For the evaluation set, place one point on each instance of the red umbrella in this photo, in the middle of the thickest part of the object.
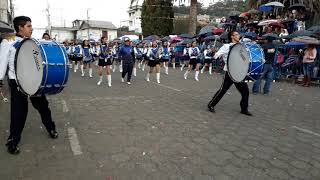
(176, 39)
(218, 31)
(276, 24)
(245, 14)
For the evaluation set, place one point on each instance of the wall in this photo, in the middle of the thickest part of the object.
(62, 35)
(4, 11)
(96, 34)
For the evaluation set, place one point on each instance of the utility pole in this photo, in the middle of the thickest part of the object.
(48, 18)
(88, 23)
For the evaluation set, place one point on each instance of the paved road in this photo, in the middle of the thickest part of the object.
(164, 132)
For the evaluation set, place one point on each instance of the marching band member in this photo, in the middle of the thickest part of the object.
(19, 101)
(117, 60)
(154, 55)
(194, 53)
(234, 37)
(146, 48)
(76, 52)
(139, 57)
(186, 57)
(173, 55)
(87, 57)
(208, 55)
(105, 60)
(126, 54)
(165, 57)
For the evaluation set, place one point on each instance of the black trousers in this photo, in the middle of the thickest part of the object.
(19, 111)
(127, 68)
(227, 82)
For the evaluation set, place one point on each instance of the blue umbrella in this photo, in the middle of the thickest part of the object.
(295, 44)
(152, 37)
(250, 35)
(300, 33)
(264, 8)
(211, 38)
(271, 36)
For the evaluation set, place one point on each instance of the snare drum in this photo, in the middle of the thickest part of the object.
(41, 67)
(245, 61)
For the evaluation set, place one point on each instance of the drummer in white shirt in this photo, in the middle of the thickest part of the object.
(19, 101)
(234, 37)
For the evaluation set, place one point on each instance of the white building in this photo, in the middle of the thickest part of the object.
(5, 12)
(134, 21)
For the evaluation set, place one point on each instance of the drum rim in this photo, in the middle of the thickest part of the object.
(15, 67)
(66, 65)
(229, 61)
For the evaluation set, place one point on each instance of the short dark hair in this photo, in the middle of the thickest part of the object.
(20, 21)
(46, 34)
(230, 34)
(83, 45)
(101, 40)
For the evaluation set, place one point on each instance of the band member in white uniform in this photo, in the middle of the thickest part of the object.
(165, 57)
(146, 48)
(173, 55)
(116, 59)
(105, 60)
(154, 55)
(194, 53)
(87, 52)
(76, 52)
(234, 37)
(186, 57)
(208, 57)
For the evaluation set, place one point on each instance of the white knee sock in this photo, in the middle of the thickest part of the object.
(134, 71)
(197, 76)
(203, 69)
(109, 80)
(100, 80)
(186, 74)
(158, 78)
(167, 69)
(143, 65)
(174, 65)
(210, 69)
(82, 70)
(90, 72)
(148, 77)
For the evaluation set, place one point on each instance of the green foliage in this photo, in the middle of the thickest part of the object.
(157, 17)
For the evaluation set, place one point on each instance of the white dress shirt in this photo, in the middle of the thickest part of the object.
(223, 52)
(7, 56)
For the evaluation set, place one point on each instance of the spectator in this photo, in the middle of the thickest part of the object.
(310, 55)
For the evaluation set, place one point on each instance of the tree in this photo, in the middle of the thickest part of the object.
(157, 17)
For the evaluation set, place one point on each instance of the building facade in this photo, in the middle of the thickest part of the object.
(134, 21)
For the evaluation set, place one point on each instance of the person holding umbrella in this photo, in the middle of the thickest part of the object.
(310, 55)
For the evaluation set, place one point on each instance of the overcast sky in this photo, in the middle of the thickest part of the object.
(65, 11)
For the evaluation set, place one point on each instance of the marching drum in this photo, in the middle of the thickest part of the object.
(245, 61)
(41, 67)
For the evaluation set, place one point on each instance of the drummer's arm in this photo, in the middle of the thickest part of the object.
(223, 50)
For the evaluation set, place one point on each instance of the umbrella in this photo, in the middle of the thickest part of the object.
(300, 33)
(306, 40)
(253, 11)
(206, 29)
(152, 37)
(267, 22)
(295, 44)
(218, 31)
(315, 29)
(264, 8)
(176, 39)
(5, 28)
(186, 36)
(224, 35)
(274, 4)
(245, 14)
(276, 24)
(271, 36)
(287, 21)
(186, 41)
(250, 35)
(297, 7)
(210, 38)
(254, 23)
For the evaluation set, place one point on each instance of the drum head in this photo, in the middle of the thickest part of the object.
(238, 62)
(29, 68)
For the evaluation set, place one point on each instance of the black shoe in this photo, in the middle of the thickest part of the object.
(12, 147)
(53, 134)
(246, 112)
(211, 109)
